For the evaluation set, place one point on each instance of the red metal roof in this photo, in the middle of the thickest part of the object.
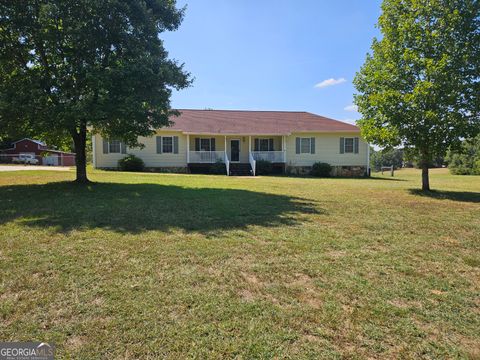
(255, 122)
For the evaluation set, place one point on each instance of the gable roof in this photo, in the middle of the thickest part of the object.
(41, 143)
(245, 122)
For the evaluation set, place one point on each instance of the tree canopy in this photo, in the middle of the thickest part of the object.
(387, 157)
(420, 86)
(69, 65)
(466, 160)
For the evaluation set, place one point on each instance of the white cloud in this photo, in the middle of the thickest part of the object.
(330, 82)
(350, 121)
(351, 108)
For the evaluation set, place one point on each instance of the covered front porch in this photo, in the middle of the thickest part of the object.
(235, 149)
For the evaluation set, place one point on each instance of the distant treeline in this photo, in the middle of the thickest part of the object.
(466, 161)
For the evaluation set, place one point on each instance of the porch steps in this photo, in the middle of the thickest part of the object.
(240, 169)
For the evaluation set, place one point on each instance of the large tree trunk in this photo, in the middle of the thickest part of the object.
(425, 178)
(80, 139)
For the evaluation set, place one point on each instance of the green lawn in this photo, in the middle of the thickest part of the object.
(175, 266)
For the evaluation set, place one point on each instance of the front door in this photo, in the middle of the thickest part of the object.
(235, 150)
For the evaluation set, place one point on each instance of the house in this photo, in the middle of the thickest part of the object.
(291, 141)
(40, 150)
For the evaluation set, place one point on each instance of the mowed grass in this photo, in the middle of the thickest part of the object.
(192, 266)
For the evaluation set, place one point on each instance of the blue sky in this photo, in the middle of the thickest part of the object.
(271, 54)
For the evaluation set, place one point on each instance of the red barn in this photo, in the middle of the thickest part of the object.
(40, 150)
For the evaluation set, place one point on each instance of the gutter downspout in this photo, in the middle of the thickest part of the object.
(368, 159)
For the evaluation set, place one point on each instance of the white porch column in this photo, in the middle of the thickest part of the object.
(249, 145)
(188, 148)
(284, 145)
(225, 144)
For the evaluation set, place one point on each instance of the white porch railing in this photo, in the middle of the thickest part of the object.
(227, 163)
(208, 157)
(253, 163)
(272, 156)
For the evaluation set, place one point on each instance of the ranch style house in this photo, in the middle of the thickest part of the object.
(291, 141)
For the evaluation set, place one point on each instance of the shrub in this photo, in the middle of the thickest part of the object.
(131, 163)
(218, 168)
(321, 169)
(263, 167)
(465, 161)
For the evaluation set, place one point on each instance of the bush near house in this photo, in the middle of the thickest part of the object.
(264, 167)
(218, 168)
(131, 163)
(321, 169)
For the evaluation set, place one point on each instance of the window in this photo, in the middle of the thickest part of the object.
(114, 146)
(205, 144)
(264, 145)
(167, 144)
(348, 145)
(305, 146)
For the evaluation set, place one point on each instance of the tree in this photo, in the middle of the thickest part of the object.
(420, 86)
(387, 157)
(72, 66)
(466, 161)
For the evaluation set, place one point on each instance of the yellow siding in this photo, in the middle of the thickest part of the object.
(327, 149)
(148, 154)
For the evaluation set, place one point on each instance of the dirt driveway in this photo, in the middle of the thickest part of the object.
(32, 167)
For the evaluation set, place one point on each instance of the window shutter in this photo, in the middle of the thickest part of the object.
(355, 145)
(342, 145)
(297, 145)
(212, 144)
(256, 146)
(123, 148)
(175, 144)
(270, 144)
(197, 144)
(159, 144)
(105, 146)
(312, 145)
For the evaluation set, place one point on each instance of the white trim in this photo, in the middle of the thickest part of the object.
(345, 147)
(188, 149)
(239, 149)
(268, 143)
(309, 145)
(232, 134)
(119, 147)
(167, 152)
(272, 134)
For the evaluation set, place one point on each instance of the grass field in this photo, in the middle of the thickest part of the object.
(175, 266)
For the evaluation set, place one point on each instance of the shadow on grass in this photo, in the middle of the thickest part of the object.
(334, 177)
(133, 208)
(464, 196)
